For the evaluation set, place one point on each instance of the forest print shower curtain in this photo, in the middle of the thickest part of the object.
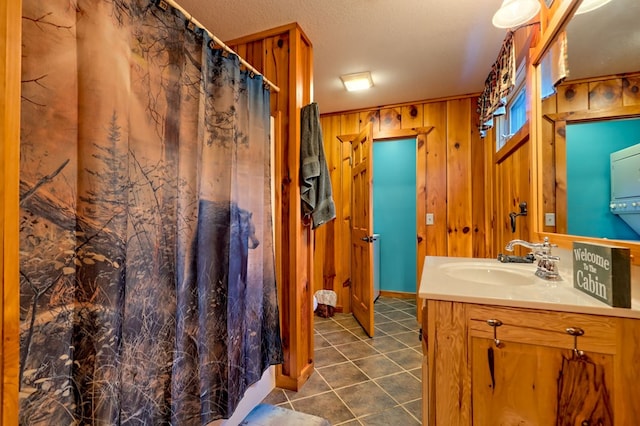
(147, 275)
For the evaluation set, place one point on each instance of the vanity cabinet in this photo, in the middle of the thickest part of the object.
(528, 370)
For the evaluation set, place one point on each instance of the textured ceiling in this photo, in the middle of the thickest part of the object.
(415, 49)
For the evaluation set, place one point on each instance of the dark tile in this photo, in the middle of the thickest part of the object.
(275, 397)
(410, 302)
(326, 405)
(410, 338)
(329, 326)
(340, 337)
(403, 387)
(386, 344)
(359, 332)
(410, 309)
(417, 373)
(348, 322)
(398, 315)
(398, 303)
(328, 356)
(392, 416)
(365, 398)
(313, 386)
(340, 375)
(406, 358)
(356, 350)
(380, 318)
(320, 342)
(392, 328)
(377, 366)
(383, 308)
(411, 324)
(415, 408)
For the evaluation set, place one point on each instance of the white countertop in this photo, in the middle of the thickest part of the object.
(437, 283)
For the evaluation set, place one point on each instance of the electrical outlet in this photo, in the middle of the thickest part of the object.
(429, 218)
(549, 219)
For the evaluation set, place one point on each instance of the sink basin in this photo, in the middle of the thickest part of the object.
(491, 273)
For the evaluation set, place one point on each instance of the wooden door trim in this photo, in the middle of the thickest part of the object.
(390, 134)
(421, 195)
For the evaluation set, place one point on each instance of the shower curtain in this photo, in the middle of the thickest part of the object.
(147, 274)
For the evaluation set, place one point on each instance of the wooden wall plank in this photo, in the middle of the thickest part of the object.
(561, 176)
(548, 161)
(350, 123)
(573, 97)
(631, 91)
(421, 211)
(491, 180)
(301, 60)
(372, 117)
(459, 199)
(344, 276)
(605, 94)
(327, 252)
(412, 116)
(481, 189)
(435, 114)
(390, 119)
(10, 63)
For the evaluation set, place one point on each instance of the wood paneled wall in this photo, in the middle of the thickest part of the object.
(285, 56)
(454, 182)
(513, 186)
(602, 98)
(10, 59)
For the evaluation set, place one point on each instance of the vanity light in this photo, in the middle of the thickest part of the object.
(357, 81)
(589, 5)
(515, 12)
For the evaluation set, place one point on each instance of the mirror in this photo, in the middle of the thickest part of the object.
(596, 111)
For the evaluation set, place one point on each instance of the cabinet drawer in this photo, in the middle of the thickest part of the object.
(546, 328)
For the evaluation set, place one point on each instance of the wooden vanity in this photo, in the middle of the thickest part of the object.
(491, 361)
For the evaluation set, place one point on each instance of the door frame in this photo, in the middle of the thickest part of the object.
(420, 134)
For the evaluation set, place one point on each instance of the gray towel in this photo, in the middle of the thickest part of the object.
(315, 182)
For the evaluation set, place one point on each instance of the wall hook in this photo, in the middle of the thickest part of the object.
(513, 215)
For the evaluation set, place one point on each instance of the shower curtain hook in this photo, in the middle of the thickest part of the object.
(191, 26)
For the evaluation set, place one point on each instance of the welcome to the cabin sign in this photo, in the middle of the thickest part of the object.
(604, 272)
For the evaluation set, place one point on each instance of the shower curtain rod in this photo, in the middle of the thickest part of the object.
(217, 41)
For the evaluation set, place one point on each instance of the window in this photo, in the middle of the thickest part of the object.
(515, 109)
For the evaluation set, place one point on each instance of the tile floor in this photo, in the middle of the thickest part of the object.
(361, 380)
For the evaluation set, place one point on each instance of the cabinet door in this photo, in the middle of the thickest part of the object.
(527, 384)
(533, 376)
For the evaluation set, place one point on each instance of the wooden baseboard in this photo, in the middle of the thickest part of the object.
(293, 383)
(398, 294)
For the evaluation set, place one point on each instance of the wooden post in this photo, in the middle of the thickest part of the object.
(10, 45)
(284, 55)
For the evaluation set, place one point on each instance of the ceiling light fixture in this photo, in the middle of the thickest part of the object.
(513, 13)
(589, 5)
(357, 81)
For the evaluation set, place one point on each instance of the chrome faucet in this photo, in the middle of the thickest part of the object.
(547, 263)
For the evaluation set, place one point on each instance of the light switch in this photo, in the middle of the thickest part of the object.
(549, 219)
(429, 218)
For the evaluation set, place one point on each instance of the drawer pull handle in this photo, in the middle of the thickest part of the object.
(576, 332)
(495, 323)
